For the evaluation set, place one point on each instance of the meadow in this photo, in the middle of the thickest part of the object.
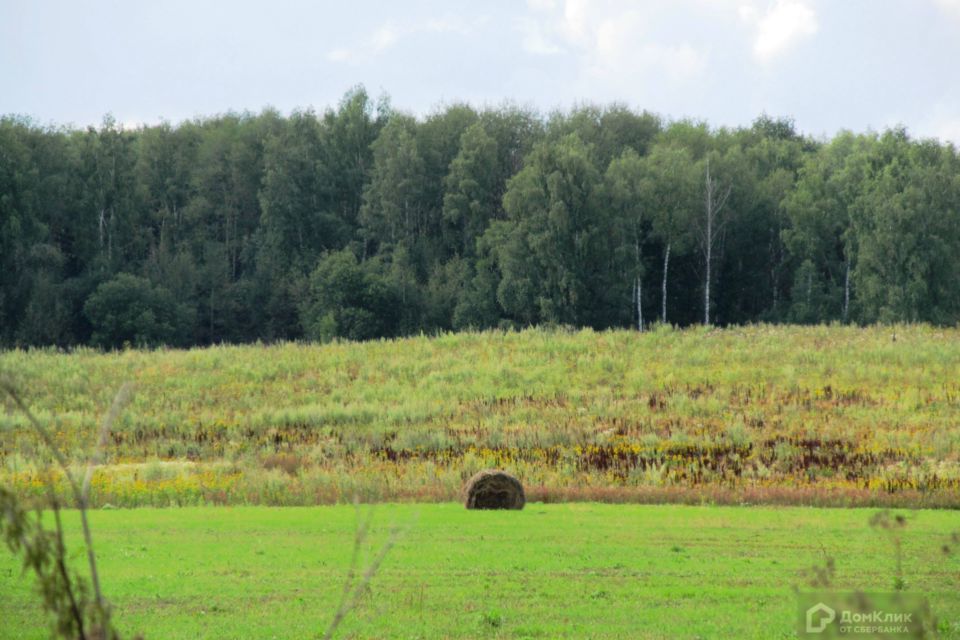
(763, 414)
(579, 570)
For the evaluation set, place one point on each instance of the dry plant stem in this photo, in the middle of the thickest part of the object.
(62, 567)
(361, 534)
(361, 586)
(61, 554)
(119, 402)
(351, 590)
(79, 494)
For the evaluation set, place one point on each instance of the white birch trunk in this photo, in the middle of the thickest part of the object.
(101, 224)
(709, 243)
(638, 290)
(110, 235)
(714, 205)
(666, 266)
(639, 305)
(846, 293)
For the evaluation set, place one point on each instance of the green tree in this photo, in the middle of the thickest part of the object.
(348, 299)
(668, 186)
(471, 197)
(111, 206)
(299, 218)
(818, 237)
(712, 223)
(393, 208)
(756, 270)
(552, 253)
(20, 226)
(349, 133)
(48, 315)
(129, 310)
(908, 233)
(444, 290)
(477, 306)
(166, 161)
(630, 220)
(607, 131)
(439, 141)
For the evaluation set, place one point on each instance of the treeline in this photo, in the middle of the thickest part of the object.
(363, 222)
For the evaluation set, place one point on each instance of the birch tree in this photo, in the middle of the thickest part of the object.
(669, 188)
(624, 182)
(107, 161)
(819, 237)
(714, 221)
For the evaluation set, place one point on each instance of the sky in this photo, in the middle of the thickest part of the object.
(828, 64)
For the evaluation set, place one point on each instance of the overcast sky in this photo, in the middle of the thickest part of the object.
(830, 64)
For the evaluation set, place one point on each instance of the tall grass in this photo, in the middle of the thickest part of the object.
(825, 415)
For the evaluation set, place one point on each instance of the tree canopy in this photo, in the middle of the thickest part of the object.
(364, 221)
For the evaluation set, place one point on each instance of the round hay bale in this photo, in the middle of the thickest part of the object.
(494, 489)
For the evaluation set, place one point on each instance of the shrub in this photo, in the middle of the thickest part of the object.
(130, 310)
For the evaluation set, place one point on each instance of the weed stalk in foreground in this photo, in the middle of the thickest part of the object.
(45, 551)
(354, 587)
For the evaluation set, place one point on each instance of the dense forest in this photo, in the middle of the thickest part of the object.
(365, 221)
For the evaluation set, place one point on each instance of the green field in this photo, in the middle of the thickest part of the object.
(550, 571)
(781, 415)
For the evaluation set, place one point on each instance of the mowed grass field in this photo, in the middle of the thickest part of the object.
(761, 414)
(581, 570)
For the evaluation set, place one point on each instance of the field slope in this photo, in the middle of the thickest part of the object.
(762, 414)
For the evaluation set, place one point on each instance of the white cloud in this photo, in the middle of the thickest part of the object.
(949, 130)
(338, 55)
(384, 38)
(608, 40)
(535, 40)
(389, 34)
(950, 7)
(618, 50)
(547, 5)
(780, 27)
(943, 122)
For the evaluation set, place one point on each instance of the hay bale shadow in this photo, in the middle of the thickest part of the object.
(493, 489)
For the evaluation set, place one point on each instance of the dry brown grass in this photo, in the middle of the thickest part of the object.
(286, 462)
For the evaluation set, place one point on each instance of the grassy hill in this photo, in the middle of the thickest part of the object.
(761, 414)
